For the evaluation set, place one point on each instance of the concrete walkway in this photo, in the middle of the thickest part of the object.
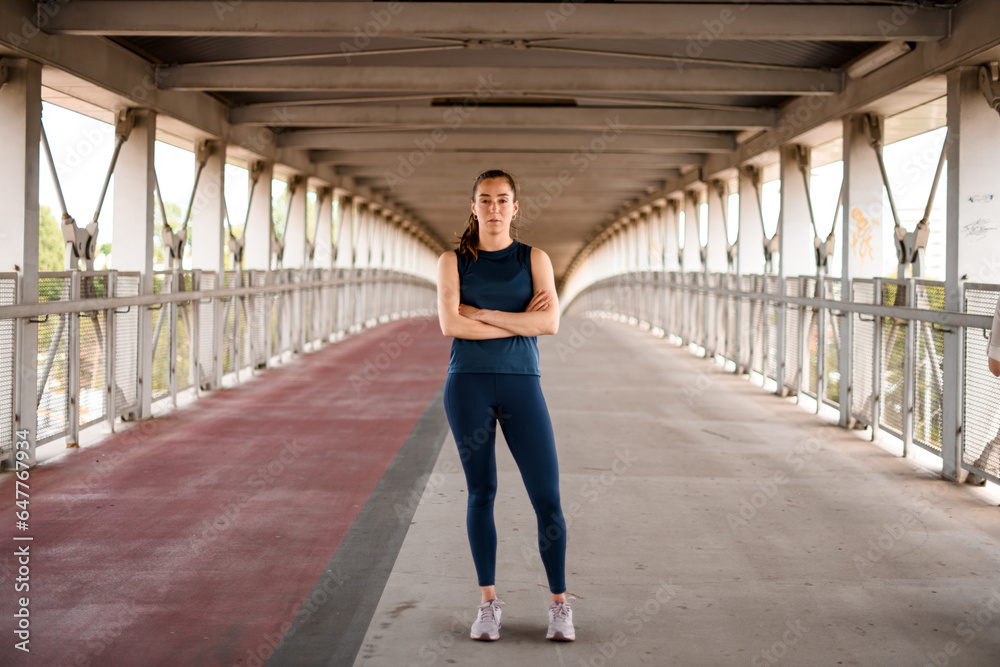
(711, 523)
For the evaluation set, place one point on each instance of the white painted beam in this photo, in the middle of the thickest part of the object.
(501, 20)
(491, 81)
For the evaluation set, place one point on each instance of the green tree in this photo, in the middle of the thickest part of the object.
(51, 247)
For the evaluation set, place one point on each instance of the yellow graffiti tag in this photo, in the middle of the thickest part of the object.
(862, 236)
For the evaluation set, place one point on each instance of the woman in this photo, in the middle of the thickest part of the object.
(495, 295)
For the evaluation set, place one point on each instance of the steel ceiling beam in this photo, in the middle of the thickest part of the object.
(557, 161)
(427, 143)
(502, 20)
(487, 82)
(472, 117)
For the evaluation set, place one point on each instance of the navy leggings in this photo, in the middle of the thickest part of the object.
(474, 402)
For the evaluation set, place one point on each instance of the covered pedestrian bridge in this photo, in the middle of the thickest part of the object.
(775, 228)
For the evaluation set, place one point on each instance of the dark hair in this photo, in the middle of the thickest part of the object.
(468, 242)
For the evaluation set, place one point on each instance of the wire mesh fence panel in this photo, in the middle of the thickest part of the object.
(831, 347)
(711, 319)
(810, 342)
(747, 321)
(259, 318)
(980, 391)
(162, 283)
(928, 385)
(793, 320)
(93, 348)
(8, 296)
(184, 366)
(52, 398)
(863, 346)
(205, 363)
(230, 306)
(731, 281)
(126, 381)
(770, 366)
(246, 324)
(893, 354)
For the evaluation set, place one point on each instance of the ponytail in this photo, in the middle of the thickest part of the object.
(469, 242)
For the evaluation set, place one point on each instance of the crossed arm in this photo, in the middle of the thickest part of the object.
(460, 320)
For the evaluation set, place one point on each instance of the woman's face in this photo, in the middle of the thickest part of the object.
(494, 206)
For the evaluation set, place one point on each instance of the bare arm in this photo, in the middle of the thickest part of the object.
(452, 323)
(542, 314)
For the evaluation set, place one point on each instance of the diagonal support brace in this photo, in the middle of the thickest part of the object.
(989, 83)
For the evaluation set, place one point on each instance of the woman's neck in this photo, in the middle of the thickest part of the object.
(492, 244)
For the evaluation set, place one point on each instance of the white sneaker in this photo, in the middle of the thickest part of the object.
(487, 625)
(561, 623)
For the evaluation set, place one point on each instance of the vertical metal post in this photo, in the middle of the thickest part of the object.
(73, 366)
(110, 360)
(877, 365)
(176, 278)
(909, 351)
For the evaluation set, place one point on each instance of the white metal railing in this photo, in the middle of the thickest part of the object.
(91, 356)
(788, 332)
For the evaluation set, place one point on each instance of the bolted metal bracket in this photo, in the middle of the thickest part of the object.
(771, 248)
(124, 122)
(174, 242)
(989, 84)
(203, 150)
(824, 250)
(82, 241)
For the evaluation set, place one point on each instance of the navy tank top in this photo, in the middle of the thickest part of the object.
(497, 280)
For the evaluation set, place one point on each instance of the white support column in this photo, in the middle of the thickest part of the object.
(861, 235)
(795, 235)
(750, 256)
(260, 226)
(972, 237)
(132, 238)
(20, 128)
(295, 226)
(717, 242)
(208, 239)
(323, 240)
(795, 249)
(692, 244)
(862, 222)
(671, 248)
(208, 230)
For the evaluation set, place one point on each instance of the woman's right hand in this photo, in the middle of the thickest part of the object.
(539, 302)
